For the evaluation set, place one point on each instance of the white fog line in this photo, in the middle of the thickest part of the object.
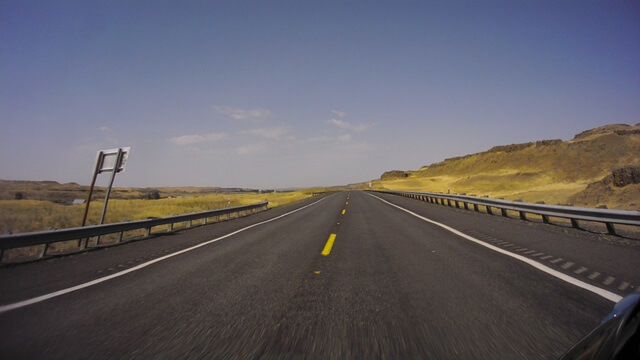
(17, 305)
(573, 281)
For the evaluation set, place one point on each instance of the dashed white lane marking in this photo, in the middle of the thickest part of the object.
(571, 280)
(580, 270)
(567, 265)
(17, 305)
(594, 275)
(623, 286)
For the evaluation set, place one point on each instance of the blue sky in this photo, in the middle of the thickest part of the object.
(268, 94)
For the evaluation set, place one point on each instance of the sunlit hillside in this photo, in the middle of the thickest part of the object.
(552, 171)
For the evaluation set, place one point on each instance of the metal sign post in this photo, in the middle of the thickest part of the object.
(114, 161)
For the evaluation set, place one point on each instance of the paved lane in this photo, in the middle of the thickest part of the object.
(391, 286)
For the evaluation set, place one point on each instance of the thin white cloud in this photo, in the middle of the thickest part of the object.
(346, 125)
(242, 114)
(104, 129)
(339, 113)
(251, 148)
(344, 138)
(316, 139)
(194, 139)
(269, 133)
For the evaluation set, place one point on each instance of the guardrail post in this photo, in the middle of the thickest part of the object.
(610, 229)
(466, 205)
(523, 215)
(504, 212)
(44, 251)
(545, 219)
(575, 224)
(489, 211)
(87, 238)
(476, 208)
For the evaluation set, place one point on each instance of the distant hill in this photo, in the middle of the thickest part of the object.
(571, 172)
(67, 193)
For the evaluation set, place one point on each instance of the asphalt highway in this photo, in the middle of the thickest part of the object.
(351, 275)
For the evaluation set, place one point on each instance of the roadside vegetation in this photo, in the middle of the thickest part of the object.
(578, 172)
(26, 215)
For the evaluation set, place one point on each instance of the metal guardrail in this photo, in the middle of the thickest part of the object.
(608, 217)
(83, 234)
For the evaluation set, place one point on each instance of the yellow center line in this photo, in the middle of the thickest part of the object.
(329, 245)
(344, 211)
(347, 203)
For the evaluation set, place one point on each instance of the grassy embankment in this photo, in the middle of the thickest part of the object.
(32, 215)
(554, 172)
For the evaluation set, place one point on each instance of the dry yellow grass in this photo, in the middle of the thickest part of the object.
(33, 215)
(553, 172)
(495, 186)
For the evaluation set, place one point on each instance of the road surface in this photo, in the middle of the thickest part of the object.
(349, 275)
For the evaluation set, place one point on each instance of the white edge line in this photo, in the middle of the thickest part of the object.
(17, 305)
(573, 281)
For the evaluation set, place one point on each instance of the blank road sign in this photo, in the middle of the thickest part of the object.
(108, 161)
